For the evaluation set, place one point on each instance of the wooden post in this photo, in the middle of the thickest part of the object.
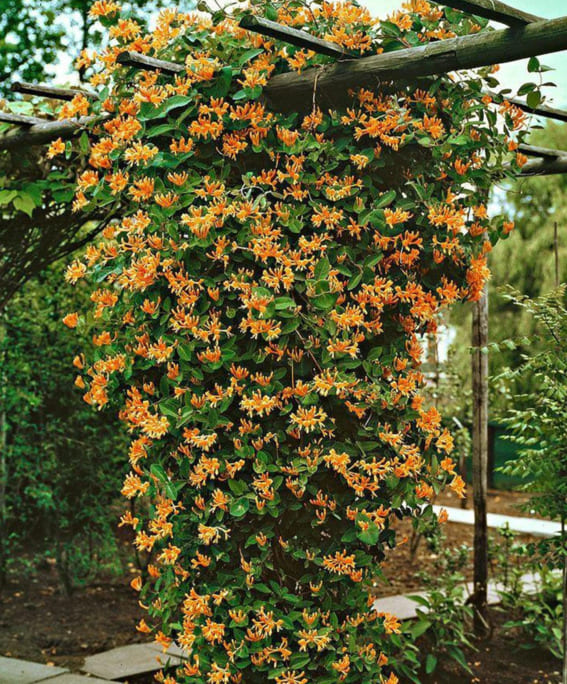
(480, 461)
(3, 462)
(556, 250)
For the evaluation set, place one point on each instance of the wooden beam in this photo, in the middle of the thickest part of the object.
(494, 10)
(540, 110)
(541, 152)
(306, 40)
(293, 36)
(44, 132)
(329, 85)
(53, 92)
(139, 61)
(545, 167)
(20, 119)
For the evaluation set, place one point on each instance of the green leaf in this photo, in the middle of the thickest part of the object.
(369, 536)
(160, 130)
(24, 203)
(534, 99)
(385, 199)
(237, 487)
(6, 196)
(322, 269)
(282, 303)
(526, 88)
(239, 507)
(420, 627)
(430, 663)
(222, 83)
(248, 55)
(157, 470)
(324, 301)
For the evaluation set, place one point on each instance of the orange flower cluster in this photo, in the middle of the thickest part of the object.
(261, 303)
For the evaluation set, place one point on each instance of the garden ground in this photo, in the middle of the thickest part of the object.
(38, 623)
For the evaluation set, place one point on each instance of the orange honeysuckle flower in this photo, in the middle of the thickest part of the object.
(71, 320)
(56, 148)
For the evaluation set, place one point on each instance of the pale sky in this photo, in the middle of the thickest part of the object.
(512, 74)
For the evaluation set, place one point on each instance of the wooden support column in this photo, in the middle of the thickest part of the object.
(480, 461)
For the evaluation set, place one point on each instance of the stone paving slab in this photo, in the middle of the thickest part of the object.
(402, 606)
(13, 671)
(76, 679)
(128, 661)
(533, 526)
(173, 650)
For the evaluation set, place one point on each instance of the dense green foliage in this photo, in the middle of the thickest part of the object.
(540, 425)
(62, 461)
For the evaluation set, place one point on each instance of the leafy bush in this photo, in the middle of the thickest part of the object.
(444, 620)
(62, 462)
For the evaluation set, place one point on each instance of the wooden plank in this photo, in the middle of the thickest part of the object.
(494, 10)
(41, 133)
(329, 84)
(479, 599)
(20, 119)
(293, 36)
(540, 110)
(53, 92)
(139, 61)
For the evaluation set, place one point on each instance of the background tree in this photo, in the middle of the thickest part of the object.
(535, 205)
(39, 39)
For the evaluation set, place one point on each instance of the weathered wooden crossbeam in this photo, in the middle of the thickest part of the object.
(139, 61)
(304, 39)
(541, 152)
(329, 85)
(20, 119)
(494, 10)
(42, 132)
(540, 110)
(293, 36)
(545, 167)
(53, 92)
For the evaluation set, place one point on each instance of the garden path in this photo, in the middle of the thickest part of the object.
(532, 526)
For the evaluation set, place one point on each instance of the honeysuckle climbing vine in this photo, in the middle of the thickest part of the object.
(261, 303)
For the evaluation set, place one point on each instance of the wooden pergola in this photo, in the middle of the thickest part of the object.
(327, 86)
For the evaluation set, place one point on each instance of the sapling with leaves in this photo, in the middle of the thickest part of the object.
(539, 427)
